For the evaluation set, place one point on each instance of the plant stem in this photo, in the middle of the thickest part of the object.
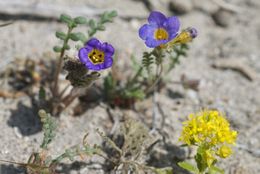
(59, 65)
(159, 70)
(133, 80)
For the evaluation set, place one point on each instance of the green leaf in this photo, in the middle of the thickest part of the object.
(66, 18)
(188, 166)
(78, 36)
(137, 93)
(166, 170)
(112, 14)
(80, 20)
(101, 28)
(49, 127)
(42, 93)
(60, 35)
(91, 32)
(201, 163)
(66, 47)
(74, 37)
(215, 170)
(57, 49)
(92, 23)
(72, 24)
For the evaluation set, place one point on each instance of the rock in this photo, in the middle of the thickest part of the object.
(161, 6)
(17, 132)
(193, 95)
(205, 6)
(135, 24)
(181, 6)
(253, 3)
(222, 18)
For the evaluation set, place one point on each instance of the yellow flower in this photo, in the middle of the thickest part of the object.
(209, 128)
(211, 132)
(224, 151)
(208, 157)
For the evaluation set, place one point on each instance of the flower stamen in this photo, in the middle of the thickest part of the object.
(161, 34)
(96, 56)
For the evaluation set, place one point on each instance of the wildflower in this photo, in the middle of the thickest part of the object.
(96, 55)
(209, 157)
(159, 30)
(210, 131)
(209, 128)
(185, 36)
(224, 151)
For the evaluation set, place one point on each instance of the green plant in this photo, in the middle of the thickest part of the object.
(79, 76)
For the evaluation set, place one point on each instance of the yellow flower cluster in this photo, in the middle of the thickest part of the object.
(211, 130)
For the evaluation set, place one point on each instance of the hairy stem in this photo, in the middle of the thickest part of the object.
(59, 64)
(159, 71)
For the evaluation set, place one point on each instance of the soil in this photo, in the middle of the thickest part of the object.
(222, 36)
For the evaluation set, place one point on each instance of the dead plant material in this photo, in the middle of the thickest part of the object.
(10, 94)
(189, 83)
(236, 65)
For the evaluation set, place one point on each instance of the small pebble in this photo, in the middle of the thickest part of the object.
(26, 139)
(181, 6)
(222, 18)
(17, 133)
(253, 142)
(4, 152)
(135, 24)
(193, 95)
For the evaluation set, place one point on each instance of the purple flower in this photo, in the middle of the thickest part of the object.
(159, 30)
(96, 55)
(193, 32)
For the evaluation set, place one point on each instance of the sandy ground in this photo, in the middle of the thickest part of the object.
(224, 89)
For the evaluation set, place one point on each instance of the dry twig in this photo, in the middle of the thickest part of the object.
(236, 65)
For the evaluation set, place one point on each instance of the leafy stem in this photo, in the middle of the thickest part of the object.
(179, 50)
(59, 63)
(158, 53)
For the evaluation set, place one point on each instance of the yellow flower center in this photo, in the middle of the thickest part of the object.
(96, 56)
(161, 34)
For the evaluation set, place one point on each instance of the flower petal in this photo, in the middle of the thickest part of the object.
(83, 54)
(152, 43)
(108, 49)
(95, 43)
(108, 63)
(157, 18)
(89, 65)
(172, 25)
(146, 31)
(172, 36)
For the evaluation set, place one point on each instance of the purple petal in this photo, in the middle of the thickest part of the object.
(146, 31)
(156, 18)
(108, 49)
(83, 54)
(91, 66)
(95, 43)
(172, 25)
(172, 36)
(106, 64)
(152, 43)
(193, 32)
